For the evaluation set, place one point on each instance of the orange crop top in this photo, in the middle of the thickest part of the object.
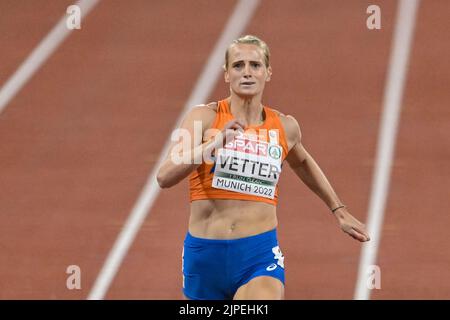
(201, 180)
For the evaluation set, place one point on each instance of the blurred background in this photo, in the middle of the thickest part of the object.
(80, 138)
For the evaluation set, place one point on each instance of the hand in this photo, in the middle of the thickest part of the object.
(352, 226)
(231, 129)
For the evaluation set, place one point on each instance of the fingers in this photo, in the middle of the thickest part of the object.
(362, 237)
(240, 124)
(232, 129)
(230, 134)
(356, 233)
(362, 230)
(354, 228)
(235, 124)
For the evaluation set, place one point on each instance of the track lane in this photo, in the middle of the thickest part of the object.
(22, 25)
(82, 135)
(322, 262)
(329, 72)
(414, 255)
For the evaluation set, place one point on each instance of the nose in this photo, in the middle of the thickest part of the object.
(247, 71)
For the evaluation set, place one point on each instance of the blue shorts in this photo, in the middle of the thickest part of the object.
(215, 269)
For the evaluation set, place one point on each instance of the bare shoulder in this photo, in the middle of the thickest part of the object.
(291, 128)
(203, 112)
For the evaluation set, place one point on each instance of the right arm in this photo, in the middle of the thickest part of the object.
(171, 171)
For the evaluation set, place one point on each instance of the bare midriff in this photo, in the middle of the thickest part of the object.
(230, 219)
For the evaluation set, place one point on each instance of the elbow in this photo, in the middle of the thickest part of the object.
(163, 182)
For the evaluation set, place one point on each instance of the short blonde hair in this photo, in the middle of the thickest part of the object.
(249, 39)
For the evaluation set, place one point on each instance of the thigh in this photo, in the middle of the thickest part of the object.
(204, 270)
(258, 271)
(261, 288)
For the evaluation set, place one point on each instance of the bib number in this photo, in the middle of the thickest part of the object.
(249, 167)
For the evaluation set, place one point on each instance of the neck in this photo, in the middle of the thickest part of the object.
(248, 110)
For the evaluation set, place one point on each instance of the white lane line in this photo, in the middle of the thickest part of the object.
(393, 93)
(40, 54)
(236, 24)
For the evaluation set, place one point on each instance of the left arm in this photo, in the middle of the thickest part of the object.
(304, 166)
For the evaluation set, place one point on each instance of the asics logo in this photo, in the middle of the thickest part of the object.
(278, 255)
(273, 266)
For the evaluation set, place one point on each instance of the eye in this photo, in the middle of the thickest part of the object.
(256, 65)
(237, 65)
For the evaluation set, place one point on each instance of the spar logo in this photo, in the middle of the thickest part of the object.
(275, 152)
(248, 146)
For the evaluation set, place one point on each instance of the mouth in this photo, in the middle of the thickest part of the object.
(247, 83)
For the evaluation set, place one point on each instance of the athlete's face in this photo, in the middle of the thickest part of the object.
(247, 72)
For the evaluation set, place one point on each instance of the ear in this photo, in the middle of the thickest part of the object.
(269, 73)
(226, 76)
